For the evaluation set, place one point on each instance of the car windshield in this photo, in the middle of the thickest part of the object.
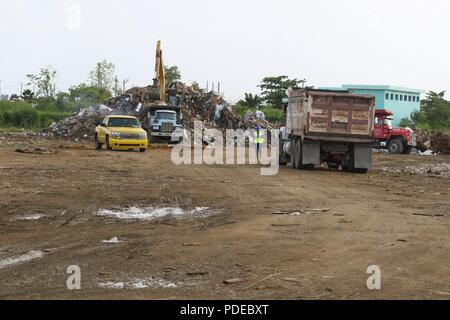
(166, 116)
(124, 123)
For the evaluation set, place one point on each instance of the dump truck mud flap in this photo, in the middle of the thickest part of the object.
(311, 152)
(363, 156)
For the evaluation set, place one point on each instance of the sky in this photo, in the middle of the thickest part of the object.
(237, 42)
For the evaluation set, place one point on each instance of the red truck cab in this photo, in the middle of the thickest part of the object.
(396, 140)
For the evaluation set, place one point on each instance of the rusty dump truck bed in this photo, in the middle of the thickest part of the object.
(321, 113)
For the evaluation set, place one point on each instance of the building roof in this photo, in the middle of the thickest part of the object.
(381, 87)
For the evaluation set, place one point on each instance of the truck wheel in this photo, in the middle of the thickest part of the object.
(107, 143)
(98, 145)
(142, 150)
(396, 146)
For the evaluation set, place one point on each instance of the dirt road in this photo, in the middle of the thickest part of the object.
(296, 235)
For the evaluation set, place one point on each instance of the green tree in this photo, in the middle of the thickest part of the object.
(250, 101)
(88, 93)
(172, 74)
(195, 86)
(102, 77)
(28, 95)
(434, 113)
(44, 82)
(407, 123)
(274, 89)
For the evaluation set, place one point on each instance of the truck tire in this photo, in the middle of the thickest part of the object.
(396, 146)
(284, 160)
(98, 145)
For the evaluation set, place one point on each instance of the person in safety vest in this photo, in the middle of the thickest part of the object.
(258, 140)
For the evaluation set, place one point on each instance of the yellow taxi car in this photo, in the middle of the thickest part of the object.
(121, 133)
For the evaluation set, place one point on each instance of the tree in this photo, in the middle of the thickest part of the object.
(195, 86)
(274, 89)
(44, 82)
(434, 113)
(172, 74)
(102, 77)
(88, 93)
(250, 101)
(117, 90)
(28, 95)
(407, 123)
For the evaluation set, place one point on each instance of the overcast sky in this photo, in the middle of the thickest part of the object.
(236, 42)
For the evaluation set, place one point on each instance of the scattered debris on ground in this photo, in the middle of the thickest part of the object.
(442, 170)
(151, 283)
(155, 213)
(31, 255)
(38, 150)
(114, 240)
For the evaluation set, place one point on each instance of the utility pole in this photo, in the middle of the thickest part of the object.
(124, 82)
(218, 87)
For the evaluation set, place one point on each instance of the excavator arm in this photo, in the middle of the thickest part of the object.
(160, 75)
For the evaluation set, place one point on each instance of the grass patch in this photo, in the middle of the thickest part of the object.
(15, 116)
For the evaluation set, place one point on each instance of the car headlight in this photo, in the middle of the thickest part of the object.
(143, 135)
(115, 135)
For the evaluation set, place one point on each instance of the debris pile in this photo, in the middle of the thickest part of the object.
(437, 141)
(81, 125)
(440, 142)
(209, 108)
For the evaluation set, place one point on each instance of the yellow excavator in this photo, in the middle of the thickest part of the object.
(159, 81)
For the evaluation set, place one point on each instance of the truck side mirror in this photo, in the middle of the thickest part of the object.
(103, 125)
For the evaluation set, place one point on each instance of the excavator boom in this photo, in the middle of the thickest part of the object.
(160, 76)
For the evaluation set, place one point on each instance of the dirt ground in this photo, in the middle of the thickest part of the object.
(296, 235)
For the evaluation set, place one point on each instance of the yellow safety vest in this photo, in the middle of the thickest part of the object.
(258, 137)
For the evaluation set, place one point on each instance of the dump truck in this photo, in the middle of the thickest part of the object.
(329, 127)
(397, 140)
(165, 124)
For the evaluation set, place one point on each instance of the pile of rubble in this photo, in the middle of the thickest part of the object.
(81, 125)
(209, 108)
(437, 141)
(214, 112)
(440, 170)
